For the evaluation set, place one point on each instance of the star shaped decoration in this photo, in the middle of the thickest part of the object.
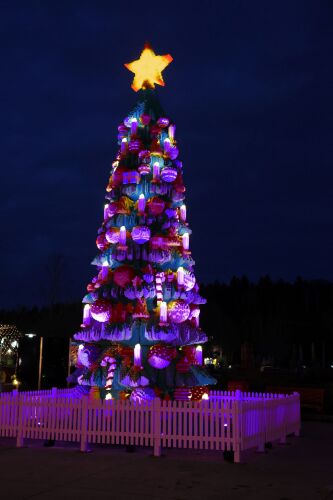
(148, 69)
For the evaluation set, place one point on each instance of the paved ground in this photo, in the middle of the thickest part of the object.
(300, 470)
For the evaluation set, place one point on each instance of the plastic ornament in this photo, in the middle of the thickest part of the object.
(145, 119)
(144, 169)
(189, 280)
(140, 395)
(160, 357)
(101, 242)
(178, 311)
(111, 209)
(123, 275)
(112, 235)
(144, 155)
(169, 174)
(163, 122)
(101, 310)
(156, 205)
(140, 234)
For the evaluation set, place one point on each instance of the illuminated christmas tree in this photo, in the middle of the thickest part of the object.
(140, 336)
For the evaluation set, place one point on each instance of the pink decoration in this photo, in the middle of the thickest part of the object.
(112, 209)
(101, 242)
(163, 122)
(156, 205)
(101, 310)
(112, 235)
(168, 174)
(178, 311)
(144, 169)
(140, 234)
(145, 119)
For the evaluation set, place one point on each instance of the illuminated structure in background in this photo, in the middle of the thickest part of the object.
(140, 335)
(9, 344)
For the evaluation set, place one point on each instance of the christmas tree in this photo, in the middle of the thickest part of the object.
(140, 336)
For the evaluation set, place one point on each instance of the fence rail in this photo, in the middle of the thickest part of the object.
(232, 421)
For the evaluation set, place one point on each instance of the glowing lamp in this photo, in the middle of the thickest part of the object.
(141, 203)
(105, 270)
(186, 241)
(156, 171)
(198, 355)
(167, 146)
(182, 213)
(205, 396)
(137, 355)
(180, 276)
(163, 312)
(106, 206)
(171, 132)
(134, 126)
(123, 146)
(86, 316)
(122, 236)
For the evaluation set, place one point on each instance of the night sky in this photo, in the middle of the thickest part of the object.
(250, 90)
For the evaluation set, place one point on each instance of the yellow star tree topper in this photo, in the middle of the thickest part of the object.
(148, 69)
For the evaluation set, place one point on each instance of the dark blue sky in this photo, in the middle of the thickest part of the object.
(250, 91)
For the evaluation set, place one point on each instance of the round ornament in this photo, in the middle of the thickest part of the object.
(145, 119)
(123, 275)
(163, 122)
(101, 310)
(178, 311)
(144, 169)
(112, 235)
(144, 155)
(122, 128)
(101, 242)
(156, 205)
(160, 357)
(189, 280)
(168, 174)
(140, 234)
(117, 177)
(111, 209)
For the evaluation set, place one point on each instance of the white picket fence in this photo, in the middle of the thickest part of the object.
(227, 421)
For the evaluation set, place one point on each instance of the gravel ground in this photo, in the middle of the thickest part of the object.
(302, 469)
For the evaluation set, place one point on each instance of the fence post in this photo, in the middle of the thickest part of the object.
(297, 402)
(156, 408)
(19, 422)
(237, 432)
(84, 424)
(283, 438)
(54, 392)
(262, 425)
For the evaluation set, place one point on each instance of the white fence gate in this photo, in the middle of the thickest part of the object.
(228, 421)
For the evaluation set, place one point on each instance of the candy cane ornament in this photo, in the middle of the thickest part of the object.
(111, 369)
(160, 277)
